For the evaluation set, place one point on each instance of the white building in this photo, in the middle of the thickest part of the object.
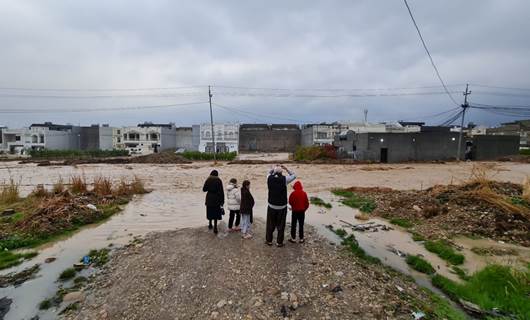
(146, 138)
(324, 133)
(41, 136)
(226, 137)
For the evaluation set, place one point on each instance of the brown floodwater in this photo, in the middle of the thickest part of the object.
(177, 201)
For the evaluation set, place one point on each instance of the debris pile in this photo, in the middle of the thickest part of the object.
(485, 208)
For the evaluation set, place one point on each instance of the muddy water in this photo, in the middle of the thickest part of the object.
(176, 202)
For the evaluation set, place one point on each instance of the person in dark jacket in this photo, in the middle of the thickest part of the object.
(299, 204)
(277, 203)
(215, 199)
(247, 203)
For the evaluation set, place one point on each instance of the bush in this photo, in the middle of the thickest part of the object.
(102, 186)
(315, 153)
(495, 286)
(419, 264)
(76, 154)
(197, 155)
(445, 251)
(524, 152)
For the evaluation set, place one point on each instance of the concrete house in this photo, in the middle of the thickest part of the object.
(96, 137)
(147, 138)
(269, 138)
(431, 144)
(226, 137)
(519, 128)
(184, 137)
(324, 133)
(41, 136)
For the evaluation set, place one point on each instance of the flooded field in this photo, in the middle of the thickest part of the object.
(176, 201)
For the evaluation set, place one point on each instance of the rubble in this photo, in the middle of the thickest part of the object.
(487, 208)
(16, 279)
(250, 281)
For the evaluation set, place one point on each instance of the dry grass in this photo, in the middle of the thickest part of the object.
(486, 194)
(137, 186)
(40, 191)
(78, 184)
(526, 189)
(102, 186)
(122, 189)
(58, 187)
(362, 216)
(9, 193)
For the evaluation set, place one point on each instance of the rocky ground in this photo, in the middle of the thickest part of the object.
(193, 274)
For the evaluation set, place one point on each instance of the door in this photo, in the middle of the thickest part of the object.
(384, 155)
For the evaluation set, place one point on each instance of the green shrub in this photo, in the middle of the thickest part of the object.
(45, 304)
(495, 286)
(99, 257)
(67, 274)
(197, 155)
(356, 201)
(417, 237)
(419, 264)
(315, 153)
(319, 202)
(341, 233)
(444, 251)
(525, 152)
(404, 223)
(10, 259)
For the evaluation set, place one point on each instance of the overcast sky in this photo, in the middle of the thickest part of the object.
(298, 45)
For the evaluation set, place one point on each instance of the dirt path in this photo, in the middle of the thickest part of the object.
(191, 274)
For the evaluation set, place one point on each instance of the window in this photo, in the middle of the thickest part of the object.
(154, 136)
(34, 139)
(119, 131)
(119, 139)
(17, 138)
(322, 135)
(41, 138)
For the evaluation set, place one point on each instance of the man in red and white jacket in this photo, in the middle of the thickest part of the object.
(299, 204)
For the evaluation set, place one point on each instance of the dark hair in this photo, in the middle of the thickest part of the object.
(233, 180)
(246, 183)
(214, 173)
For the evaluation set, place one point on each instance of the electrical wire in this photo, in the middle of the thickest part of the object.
(499, 87)
(428, 53)
(256, 114)
(503, 94)
(333, 90)
(292, 95)
(451, 119)
(64, 110)
(102, 89)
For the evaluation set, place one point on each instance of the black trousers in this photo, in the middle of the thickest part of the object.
(234, 214)
(275, 221)
(297, 217)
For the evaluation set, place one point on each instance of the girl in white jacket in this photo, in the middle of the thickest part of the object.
(233, 196)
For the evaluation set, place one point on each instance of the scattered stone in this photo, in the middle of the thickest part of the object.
(16, 279)
(50, 260)
(221, 303)
(73, 297)
(336, 289)
(416, 208)
(285, 296)
(214, 315)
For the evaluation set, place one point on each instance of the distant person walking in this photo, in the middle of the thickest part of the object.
(299, 204)
(215, 199)
(233, 197)
(247, 204)
(277, 203)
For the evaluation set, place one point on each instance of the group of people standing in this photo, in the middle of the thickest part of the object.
(240, 204)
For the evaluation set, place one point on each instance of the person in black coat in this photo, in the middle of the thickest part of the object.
(215, 199)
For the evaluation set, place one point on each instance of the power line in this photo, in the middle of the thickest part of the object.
(33, 96)
(500, 87)
(333, 89)
(365, 95)
(102, 89)
(256, 114)
(64, 110)
(429, 54)
(503, 94)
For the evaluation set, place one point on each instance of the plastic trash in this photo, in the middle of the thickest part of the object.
(92, 207)
(418, 315)
(86, 260)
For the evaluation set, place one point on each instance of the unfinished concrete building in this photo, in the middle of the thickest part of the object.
(269, 137)
(149, 138)
(429, 145)
(324, 133)
(520, 128)
(96, 137)
(184, 136)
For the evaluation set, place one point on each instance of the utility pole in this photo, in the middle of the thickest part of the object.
(211, 123)
(464, 107)
(365, 115)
